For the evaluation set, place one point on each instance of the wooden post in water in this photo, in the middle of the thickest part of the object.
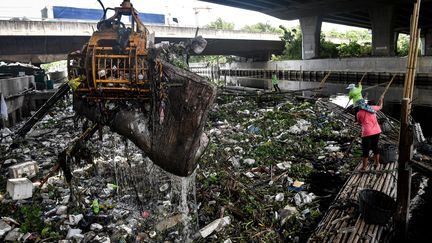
(405, 133)
(404, 173)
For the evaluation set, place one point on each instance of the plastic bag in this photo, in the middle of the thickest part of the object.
(3, 108)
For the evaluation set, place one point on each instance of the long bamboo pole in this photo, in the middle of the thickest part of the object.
(415, 63)
(388, 85)
(364, 75)
(405, 135)
(324, 80)
(412, 54)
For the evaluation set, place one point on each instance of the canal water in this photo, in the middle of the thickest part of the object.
(421, 207)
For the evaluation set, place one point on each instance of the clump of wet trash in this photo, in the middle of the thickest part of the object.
(269, 172)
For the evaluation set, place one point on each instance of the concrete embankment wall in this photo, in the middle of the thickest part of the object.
(11, 89)
(344, 70)
(368, 64)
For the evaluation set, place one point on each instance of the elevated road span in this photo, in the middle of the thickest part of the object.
(386, 18)
(47, 41)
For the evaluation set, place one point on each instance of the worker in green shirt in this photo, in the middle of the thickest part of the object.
(275, 82)
(355, 94)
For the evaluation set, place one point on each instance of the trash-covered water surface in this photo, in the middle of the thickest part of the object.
(273, 167)
(270, 170)
(117, 194)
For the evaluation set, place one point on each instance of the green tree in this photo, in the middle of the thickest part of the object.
(328, 49)
(366, 49)
(220, 24)
(293, 44)
(402, 45)
(262, 28)
(350, 35)
(358, 35)
(352, 49)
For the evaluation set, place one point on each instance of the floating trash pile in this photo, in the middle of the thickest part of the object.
(270, 170)
(117, 193)
(273, 168)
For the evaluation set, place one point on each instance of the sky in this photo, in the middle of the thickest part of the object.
(188, 12)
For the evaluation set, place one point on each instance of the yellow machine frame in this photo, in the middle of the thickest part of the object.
(105, 72)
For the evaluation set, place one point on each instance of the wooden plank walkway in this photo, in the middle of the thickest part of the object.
(342, 221)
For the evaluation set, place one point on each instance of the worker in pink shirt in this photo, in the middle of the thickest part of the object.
(370, 133)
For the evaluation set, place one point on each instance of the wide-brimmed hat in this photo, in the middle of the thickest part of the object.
(351, 86)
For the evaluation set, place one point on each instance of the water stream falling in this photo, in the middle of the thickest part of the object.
(185, 189)
(161, 202)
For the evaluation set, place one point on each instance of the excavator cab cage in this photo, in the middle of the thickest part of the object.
(113, 64)
(127, 10)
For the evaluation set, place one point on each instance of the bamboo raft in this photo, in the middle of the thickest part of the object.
(342, 221)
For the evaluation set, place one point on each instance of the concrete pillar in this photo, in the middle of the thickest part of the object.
(422, 46)
(428, 43)
(383, 35)
(311, 30)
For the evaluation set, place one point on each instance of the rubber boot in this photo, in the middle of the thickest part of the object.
(364, 163)
(376, 159)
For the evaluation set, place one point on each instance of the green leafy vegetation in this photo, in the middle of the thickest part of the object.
(402, 45)
(293, 44)
(328, 49)
(333, 44)
(30, 218)
(354, 49)
(262, 28)
(220, 24)
(361, 35)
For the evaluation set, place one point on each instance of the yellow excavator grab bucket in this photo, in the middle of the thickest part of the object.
(112, 65)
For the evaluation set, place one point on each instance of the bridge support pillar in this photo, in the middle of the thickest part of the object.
(311, 30)
(383, 35)
(427, 44)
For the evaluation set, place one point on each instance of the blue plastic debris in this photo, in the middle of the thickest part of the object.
(253, 129)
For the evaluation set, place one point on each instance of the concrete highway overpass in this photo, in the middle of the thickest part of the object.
(385, 17)
(47, 41)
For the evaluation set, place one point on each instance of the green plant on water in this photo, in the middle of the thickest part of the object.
(212, 152)
(95, 206)
(225, 99)
(325, 133)
(221, 115)
(50, 231)
(292, 228)
(304, 105)
(315, 213)
(248, 208)
(268, 151)
(300, 171)
(212, 179)
(30, 218)
(53, 192)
